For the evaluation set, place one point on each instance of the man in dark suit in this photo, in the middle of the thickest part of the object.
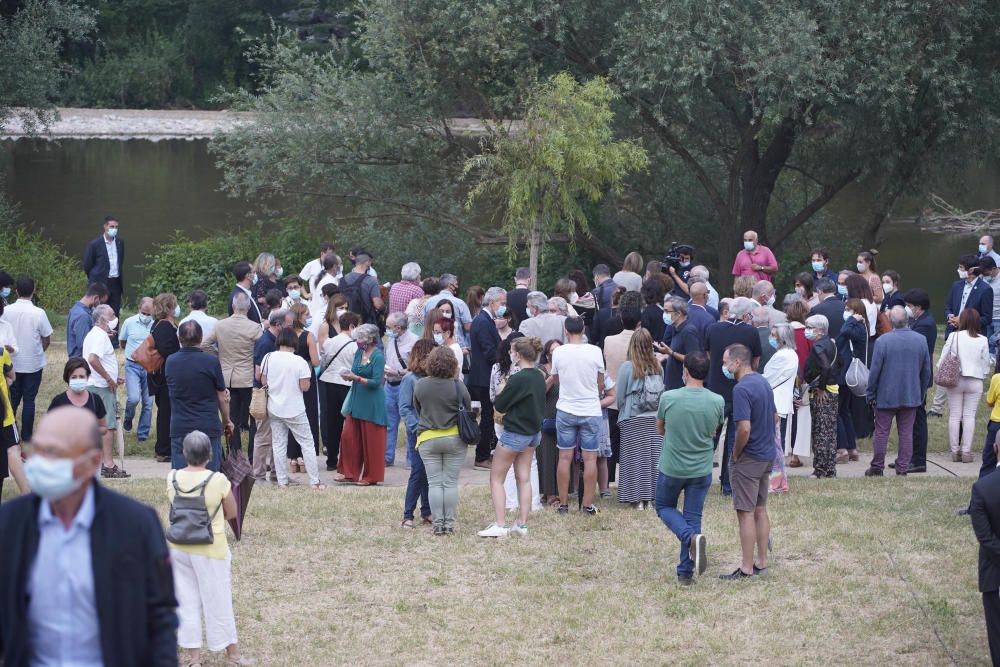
(830, 306)
(483, 343)
(605, 286)
(85, 574)
(918, 307)
(517, 298)
(984, 510)
(698, 315)
(104, 262)
(245, 278)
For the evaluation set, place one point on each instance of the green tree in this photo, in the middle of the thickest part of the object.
(32, 37)
(563, 153)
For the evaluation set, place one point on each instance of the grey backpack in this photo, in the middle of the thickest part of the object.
(190, 522)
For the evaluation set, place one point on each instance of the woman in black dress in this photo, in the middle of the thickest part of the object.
(164, 333)
(308, 350)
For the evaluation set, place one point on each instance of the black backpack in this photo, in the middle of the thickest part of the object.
(357, 302)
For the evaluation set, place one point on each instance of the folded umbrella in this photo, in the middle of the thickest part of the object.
(236, 467)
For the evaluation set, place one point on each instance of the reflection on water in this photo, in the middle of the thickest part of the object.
(67, 188)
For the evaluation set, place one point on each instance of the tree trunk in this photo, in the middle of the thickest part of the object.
(534, 247)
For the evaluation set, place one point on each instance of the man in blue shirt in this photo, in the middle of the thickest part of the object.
(131, 335)
(80, 320)
(754, 450)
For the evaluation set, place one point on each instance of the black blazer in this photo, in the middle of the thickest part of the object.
(833, 309)
(133, 582)
(254, 313)
(483, 342)
(96, 263)
(517, 303)
(926, 327)
(980, 299)
(984, 510)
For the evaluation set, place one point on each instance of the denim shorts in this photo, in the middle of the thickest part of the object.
(571, 427)
(518, 442)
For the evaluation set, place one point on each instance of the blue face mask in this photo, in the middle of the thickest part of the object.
(666, 318)
(982, 249)
(818, 267)
(501, 311)
(280, 271)
(748, 245)
(528, 314)
(773, 342)
(177, 311)
(294, 294)
(810, 334)
(439, 338)
(5, 292)
(728, 373)
(113, 232)
(52, 479)
(309, 322)
(254, 281)
(842, 290)
(391, 333)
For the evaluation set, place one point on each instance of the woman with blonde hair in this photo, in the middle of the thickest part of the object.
(638, 386)
(269, 272)
(630, 277)
(743, 286)
(164, 333)
(522, 404)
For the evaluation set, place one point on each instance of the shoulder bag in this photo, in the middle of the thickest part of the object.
(857, 373)
(147, 356)
(468, 429)
(258, 397)
(334, 358)
(190, 522)
(950, 371)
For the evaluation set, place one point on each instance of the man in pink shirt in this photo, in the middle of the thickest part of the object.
(754, 260)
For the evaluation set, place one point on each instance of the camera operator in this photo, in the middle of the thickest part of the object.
(678, 263)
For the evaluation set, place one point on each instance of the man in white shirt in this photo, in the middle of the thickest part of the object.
(104, 379)
(580, 369)
(33, 333)
(701, 273)
(397, 349)
(198, 303)
(314, 267)
(104, 260)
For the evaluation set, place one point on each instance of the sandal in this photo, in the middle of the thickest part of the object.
(427, 519)
(301, 464)
(343, 480)
(320, 486)
(407, 523)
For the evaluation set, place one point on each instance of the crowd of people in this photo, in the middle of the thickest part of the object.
(637, 378)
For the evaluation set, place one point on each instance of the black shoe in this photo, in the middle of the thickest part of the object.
(127, 425)
(390, 464)
(685, 581)
(759, 571)
(900, 474)
(439, 531)
(934, 413)
(893, 465)
(963, 512)
(738, 573)
(592, 511)
(916, 469)
(564, 509)
(330, 468)
(871, 472)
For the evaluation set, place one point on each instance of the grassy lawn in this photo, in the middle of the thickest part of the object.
(863, 572)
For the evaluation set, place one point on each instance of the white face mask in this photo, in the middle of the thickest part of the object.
(573, 297)
(888, 288)
(861, 267)
(801, 291)
(341, 311)
(964, 275)
(909, 312)
(52, 479)
(770, 302)
(446, 315)
(113, 324)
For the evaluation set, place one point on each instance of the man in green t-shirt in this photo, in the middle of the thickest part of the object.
(688, 418)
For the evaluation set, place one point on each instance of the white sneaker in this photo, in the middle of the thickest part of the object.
(495, 530)
(697, 552)
(519, 529)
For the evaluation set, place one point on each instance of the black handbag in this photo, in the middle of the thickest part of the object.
(468, 429)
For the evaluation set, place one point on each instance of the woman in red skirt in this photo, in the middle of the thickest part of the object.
(362, 444)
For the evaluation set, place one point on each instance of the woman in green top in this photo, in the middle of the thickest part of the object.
(362, 445)
(522, 403)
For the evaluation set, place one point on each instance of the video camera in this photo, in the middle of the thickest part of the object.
(673, 257)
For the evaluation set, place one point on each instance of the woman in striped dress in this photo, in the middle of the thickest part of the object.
(639, 385)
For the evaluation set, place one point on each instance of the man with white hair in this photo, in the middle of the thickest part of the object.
(754, 259)
(701, 273)
(763, 293)
(405, 290)
(762, 323)
(397, 350)
(736, 330)
(104, 378)
(986, 249)
(484, 341)
(540, 322)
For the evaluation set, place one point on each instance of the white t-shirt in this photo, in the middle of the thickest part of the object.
(205, 321)
(317, 307)
(577, 366)
(346, 346)
(98, 342)
(310, 270)
(459, 356)
(284, 370)
(30, 325)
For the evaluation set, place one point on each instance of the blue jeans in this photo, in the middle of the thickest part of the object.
(392, 427)
(416, 486)
(687, 524)
(991, 331)
(177, 460)
(570, 427)
(26, 386)
(137, 390)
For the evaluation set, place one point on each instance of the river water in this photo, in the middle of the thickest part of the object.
(154, 188)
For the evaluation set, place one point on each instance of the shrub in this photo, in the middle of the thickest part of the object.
(59, 279)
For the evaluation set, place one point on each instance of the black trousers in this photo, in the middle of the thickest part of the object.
(991, 608)
(487, 434)
(336, 394)
(616, 443)
(162, 397)
(919, 438)
(239, 414)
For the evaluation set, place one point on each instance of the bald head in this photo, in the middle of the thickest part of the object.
(146, 305)
(699, 293)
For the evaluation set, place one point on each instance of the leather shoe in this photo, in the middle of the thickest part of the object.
(917, 469)
(893, 465)
(871, 472)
